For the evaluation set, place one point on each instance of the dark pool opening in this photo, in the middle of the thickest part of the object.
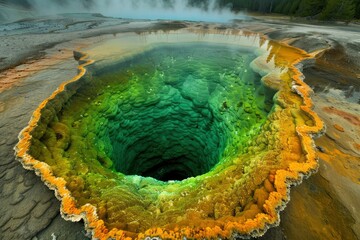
(170, 169)
(171, 140)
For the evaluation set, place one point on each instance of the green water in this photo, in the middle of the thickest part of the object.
(170, 113)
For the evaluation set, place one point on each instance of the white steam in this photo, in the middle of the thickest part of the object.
(139, 9)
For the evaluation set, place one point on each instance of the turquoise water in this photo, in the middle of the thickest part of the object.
(170, 113)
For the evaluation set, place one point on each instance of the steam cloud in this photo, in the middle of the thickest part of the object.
(193, 10)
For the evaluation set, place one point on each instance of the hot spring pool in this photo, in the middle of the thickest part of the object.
(196, 136)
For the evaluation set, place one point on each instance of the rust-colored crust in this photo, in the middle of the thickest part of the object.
(276, 201)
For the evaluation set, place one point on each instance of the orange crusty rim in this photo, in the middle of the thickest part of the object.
(257, 226)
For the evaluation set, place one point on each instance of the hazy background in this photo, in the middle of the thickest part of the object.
(194, 10)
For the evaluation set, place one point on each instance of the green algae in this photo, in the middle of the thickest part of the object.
(173, 109)
(173, 112)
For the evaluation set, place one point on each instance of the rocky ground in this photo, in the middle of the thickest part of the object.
(36, 56)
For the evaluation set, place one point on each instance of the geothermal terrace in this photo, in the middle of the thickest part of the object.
(178, 129)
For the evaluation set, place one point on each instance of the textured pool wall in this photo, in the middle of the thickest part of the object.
(195, 111)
